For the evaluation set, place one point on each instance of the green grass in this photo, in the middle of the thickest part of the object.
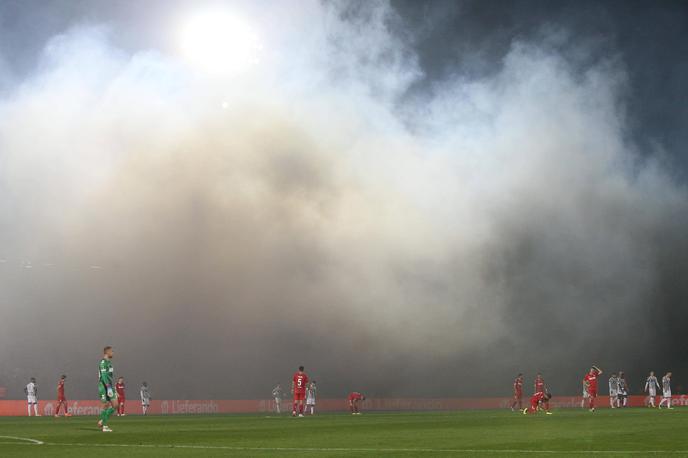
(627, 432)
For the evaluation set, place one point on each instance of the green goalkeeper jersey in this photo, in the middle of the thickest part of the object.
(106, 373)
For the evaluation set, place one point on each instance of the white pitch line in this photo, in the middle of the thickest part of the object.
(21, 440)
(372, 450)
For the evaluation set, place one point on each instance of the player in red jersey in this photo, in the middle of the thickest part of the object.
(298, 389)
(354, 399)
(119, 387)
(61, 398)
(590, 382)
(518, 392)
(539, 400)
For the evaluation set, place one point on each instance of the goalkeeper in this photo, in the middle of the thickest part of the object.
(106, 389)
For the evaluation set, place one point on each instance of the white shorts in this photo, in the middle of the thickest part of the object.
(31, 399)
(585, 393)
(652, 393)
(667, 393)
(613, 393)
(310, 401)
(145, 402)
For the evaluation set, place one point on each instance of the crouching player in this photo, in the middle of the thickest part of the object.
(108, 398)
(590, 382)
(539, 400)
(355, 399)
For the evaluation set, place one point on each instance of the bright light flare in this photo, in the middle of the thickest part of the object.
(219, 43)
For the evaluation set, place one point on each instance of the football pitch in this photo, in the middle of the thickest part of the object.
(626, 432)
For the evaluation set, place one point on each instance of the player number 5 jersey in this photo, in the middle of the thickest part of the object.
(300, 381)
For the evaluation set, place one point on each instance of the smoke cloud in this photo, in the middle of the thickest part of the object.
(317, 210)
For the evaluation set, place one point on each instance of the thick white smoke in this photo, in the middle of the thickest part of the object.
(308, 210)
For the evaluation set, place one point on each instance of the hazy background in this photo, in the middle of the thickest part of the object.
(408, 198)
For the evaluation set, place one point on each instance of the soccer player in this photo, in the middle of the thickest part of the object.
(623, 390)
(31, 391)
(590, 383)
(651, 387)
(540, 388)
(518, 392)
(298, 389)
(61, 398)
(613, 391)
(538, 401)
(108, 397)
(277, 394)
(310, 397)
(121, 397)
(145, 397)
(354, 399)
(666, 391)
(539, 384)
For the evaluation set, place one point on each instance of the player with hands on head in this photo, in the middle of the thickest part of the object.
(590, 383)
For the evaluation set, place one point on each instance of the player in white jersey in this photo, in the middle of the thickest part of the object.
(310, 397)
(145, 397)
(277, 395)
(613, 391)
(623, 390)
(31, 391)
(666, 391)
(651, 387)
(584, 400)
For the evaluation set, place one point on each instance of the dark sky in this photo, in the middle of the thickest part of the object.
(650, 38)
(411, 199)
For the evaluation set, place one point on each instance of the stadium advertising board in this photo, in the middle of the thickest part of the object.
(190, 407)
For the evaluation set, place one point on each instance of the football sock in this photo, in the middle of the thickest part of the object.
(105, 415)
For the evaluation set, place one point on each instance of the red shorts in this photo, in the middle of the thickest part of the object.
(299, 396)
(592, 393)
(61, 399)
(518, 395)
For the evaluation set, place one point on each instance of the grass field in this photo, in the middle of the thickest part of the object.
(627, 432)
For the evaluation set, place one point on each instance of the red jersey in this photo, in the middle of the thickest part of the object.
(518, 386)
(300, 382)
(537, 397)
(539, 385)
(60, 389)
(120, 390)
(591, 381)
(355, 396)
